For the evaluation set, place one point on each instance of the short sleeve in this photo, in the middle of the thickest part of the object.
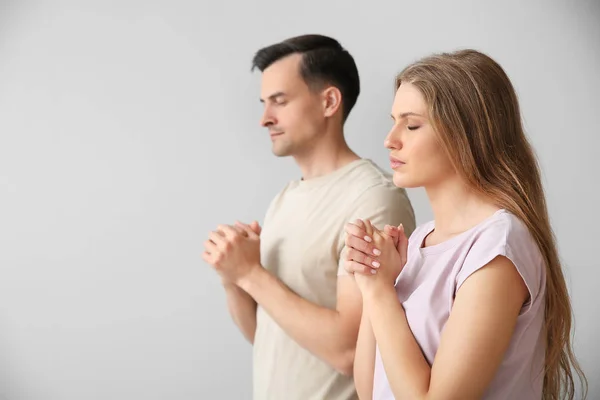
(506, 237)
(382, 205)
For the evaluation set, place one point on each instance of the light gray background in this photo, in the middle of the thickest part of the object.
(130, 129)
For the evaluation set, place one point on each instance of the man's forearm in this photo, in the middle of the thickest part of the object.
(318, 329)
(242, 309)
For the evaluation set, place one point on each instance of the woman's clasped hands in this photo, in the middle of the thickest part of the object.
(375, 257)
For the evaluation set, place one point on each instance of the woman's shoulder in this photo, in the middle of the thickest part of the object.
(505, 229)
(504, 234)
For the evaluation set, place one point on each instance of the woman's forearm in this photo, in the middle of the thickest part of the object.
(406, 368)
(364, 359)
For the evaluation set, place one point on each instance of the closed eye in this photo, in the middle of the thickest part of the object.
(413, 128)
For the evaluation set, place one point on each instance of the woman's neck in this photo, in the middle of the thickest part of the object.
(457, 208)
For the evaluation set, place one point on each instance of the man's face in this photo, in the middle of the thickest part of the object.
(293, 113)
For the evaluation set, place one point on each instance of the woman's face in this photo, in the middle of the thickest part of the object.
(416, 155)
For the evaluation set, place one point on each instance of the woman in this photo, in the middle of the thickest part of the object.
(475, 304)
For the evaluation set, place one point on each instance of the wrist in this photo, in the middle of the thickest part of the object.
(379, 293)
(228, 284)
(247, 280)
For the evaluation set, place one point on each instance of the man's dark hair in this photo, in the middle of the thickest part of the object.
(324, 61)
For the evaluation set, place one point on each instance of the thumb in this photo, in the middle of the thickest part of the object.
(255, 227)
(393, 232)
(402, 244)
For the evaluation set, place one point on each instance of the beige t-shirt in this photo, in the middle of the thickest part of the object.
(301, 243)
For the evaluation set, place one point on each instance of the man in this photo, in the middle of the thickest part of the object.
(286, 286)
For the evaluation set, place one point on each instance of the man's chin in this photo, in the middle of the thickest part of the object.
(281, 152)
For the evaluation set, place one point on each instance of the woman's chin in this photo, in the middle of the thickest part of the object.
(403, 181)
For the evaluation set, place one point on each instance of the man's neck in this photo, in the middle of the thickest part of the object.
(325, 157)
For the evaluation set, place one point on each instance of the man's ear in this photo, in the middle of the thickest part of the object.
(332, 101)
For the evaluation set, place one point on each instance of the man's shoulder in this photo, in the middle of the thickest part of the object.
(367, 170)
(369, 182)
(374, 196)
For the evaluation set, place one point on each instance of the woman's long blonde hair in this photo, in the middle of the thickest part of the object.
(474, 109)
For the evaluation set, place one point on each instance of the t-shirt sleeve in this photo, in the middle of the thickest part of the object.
(382, 205)
(512, 240)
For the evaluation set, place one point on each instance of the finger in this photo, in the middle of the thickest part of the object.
(373, 231)
(229, 232)
(375, 234)
(368, 227)
(392, 232)
(353, 267)
(256, 227)
(219, 233)
(247, 229)
(380, 234)
(358, 231)
(207, 258)
(377, 231)
(361, 245)
(217, 238)
(402, 244)
(361, 258)
(240, 230)
(210, 247)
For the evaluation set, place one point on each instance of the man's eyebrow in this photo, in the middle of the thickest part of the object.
(273, 96)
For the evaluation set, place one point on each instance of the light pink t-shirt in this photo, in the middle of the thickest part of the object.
(430, 280)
